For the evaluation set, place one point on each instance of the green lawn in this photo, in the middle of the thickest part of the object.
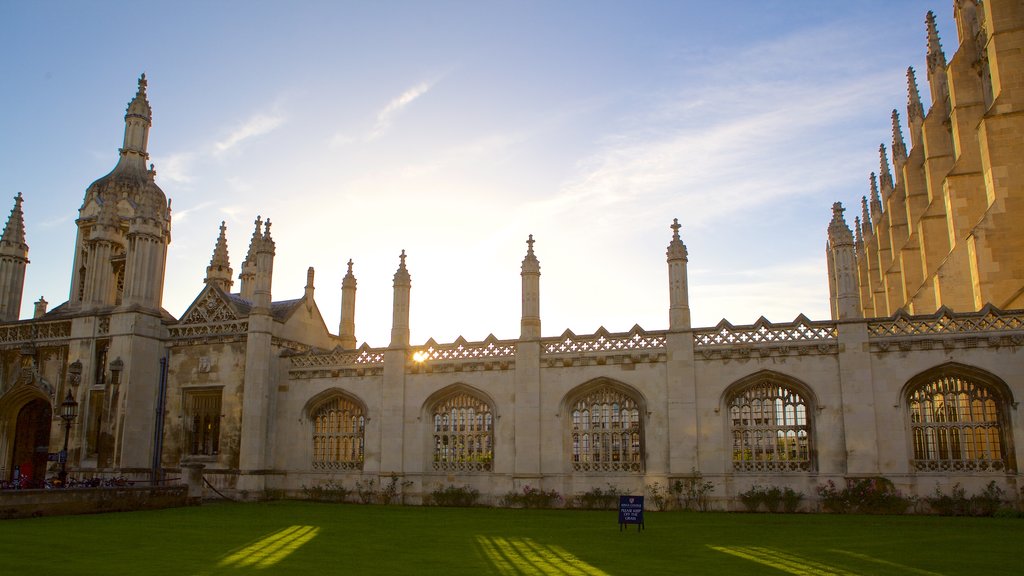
(309, 538)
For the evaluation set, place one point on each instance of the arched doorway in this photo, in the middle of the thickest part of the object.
(32, 440)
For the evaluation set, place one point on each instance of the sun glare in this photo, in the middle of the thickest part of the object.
(271, 549)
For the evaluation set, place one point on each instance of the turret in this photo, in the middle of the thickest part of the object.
(124, 226)
(265, 251)
(842, 273)
(347, 326)
(13, 260)
(530, 273)
(678, 289)
(218, 273)
(400, 309)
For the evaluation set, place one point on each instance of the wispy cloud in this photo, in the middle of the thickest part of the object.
(387, 115)
(179, 216)
(176, 168)
(256, 125)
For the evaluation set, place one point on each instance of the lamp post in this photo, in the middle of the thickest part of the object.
(68, 412)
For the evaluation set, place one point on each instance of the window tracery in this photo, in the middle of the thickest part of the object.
(203, 410)
(957, 423)
(339, 425)
(770, 428)
(463, 433)
(607, 434)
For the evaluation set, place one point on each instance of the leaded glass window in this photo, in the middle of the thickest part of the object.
(463, 433)
(202, 408)
(956, 424)
(338, 435)
(607, 434)
(770, 428)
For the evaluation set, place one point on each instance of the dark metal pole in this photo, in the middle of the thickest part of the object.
(64, 455)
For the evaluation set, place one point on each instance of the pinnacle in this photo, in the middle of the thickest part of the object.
(14, 231)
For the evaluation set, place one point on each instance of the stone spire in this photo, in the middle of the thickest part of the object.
(936, 65)
(347, 326)
(858, 242)
(884, 175)
(842, 277)
(248, 274)
(529, 325)
(899, 146)
(13, 261)
(915, 110)
(678, 288)
(865, 216)
(219, 272)
(876, 202)
(138, 120)
(400, 309)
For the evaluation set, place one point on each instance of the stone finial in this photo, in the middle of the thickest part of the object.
(530, 263)
(865, 216)
(402, 274)
(219, 271)
(676, 248)
(899, 146)
(250, 256)
(876, 202)
(915, 110)
(936, 57)
(838, 231)
(884, 175)
(14, 231)
(350, 278)
(40, 308)
(310, 272)
(858, 238)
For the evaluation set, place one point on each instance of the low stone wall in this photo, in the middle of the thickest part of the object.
(59, 502)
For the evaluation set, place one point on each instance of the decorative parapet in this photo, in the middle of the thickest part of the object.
(192, 334)
(364, 361)
(989, 326)
(459, 356)
(763, 338)
(603, 347)
(33, 331)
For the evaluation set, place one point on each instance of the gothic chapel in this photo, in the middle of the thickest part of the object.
(916, 377)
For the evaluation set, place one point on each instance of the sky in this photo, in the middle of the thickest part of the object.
(453, 130)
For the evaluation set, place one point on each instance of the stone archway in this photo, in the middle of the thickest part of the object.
(32, 440)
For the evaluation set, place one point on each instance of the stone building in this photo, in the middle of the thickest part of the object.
(917, 376)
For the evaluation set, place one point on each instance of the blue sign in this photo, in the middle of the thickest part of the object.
(631, 511)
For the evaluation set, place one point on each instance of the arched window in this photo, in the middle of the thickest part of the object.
(463, 433)
(770, 427)
(957, 422)
(338, 426)
(606, 433)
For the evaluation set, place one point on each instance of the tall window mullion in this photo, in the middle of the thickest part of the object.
(961, 424)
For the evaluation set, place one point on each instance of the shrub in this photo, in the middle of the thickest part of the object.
(598, 499)
(989, 501)
(693, 493)
(953, 504)
(874, 495)
(752, 498)
(531, 498)
(370, 493)
(660, 499)
(791, 500)
(329, 491)
(773, 499)
(460, 496)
